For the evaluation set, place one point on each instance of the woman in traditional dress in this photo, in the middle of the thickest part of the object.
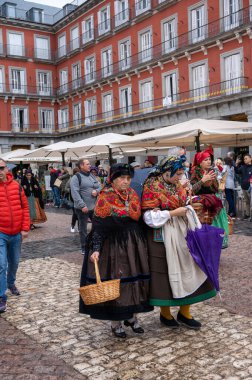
(35, 199)
(205, 184)
(118, 242)
(175, 278)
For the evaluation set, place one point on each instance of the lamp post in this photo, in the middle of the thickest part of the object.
(63, 151)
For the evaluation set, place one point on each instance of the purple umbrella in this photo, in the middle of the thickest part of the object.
(205, 247)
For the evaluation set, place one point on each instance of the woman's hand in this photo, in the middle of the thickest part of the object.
(208, 177)
(95, 256)
(181, 211)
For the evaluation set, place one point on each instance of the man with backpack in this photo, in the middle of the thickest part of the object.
(84, 190)
(14, 227)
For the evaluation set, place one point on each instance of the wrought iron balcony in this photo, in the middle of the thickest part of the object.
(16, 88)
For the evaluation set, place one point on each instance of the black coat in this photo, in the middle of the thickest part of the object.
(30, 189)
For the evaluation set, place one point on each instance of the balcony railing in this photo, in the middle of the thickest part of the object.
(17, 88)
(164, 49)
(197, 95)
(17, 127)
(87, 37)
(121, 19)
(103, 28)
(141, 7)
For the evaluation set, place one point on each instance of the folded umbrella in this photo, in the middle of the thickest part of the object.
(205, 245)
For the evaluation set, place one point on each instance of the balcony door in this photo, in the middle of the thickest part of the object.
(44, 83)
(146, 96)
(199, 83)
(107, 107)
(75, 40)
(125, 102)
(1, 80)
(198, 18)
(232, 72)
(15, 44)
(169, 33)
(18, 81)
(171, 89)
(90, 111)
(42, 48)
(19, 119)
(124, 55)
(231, 14)
(146, 48)
(46, 120)
(121, 12)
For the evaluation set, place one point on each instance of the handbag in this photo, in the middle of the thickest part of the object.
(57, 182)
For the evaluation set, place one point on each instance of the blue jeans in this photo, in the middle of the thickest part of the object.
(10, 248)
(56, 195)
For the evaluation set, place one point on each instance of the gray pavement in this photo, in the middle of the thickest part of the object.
(44, 337)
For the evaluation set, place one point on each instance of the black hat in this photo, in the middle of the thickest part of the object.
(117, 170)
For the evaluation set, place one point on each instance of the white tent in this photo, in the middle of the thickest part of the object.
(14, 153)
(215, 132)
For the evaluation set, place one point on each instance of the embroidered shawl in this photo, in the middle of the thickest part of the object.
(159, 194)
(109, 203)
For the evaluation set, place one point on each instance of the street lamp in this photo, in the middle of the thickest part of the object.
(63, 151)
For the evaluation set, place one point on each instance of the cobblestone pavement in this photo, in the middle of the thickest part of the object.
(44, 334)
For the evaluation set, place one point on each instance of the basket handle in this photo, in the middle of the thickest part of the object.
(97, 273)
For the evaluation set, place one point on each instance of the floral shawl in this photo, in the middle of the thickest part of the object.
(109, 203)
(159, 194)
(209, 187)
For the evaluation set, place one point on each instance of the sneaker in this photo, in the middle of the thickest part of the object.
(14, 290)
(72, 229)
(190, 323)
(171, 323)
(3, 305)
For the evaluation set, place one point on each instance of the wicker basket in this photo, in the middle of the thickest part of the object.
(204, 216)
(230, 225)
(101, 291)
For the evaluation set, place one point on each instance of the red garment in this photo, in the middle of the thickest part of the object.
(14, 216)
(201, 156)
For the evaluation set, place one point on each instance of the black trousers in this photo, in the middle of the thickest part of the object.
(83, 221)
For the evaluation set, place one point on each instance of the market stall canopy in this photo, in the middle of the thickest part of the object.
(14, 153)
(215, 132)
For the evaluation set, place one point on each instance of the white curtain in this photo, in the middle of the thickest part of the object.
(90, 109)
(62, 45)
(198, 24)
(15, 42)
(108, 106)
(231, 14)
(89, 69)
(75, 42)
(107, 62)
(1, 80)
(42, 48)
(170, 89)
(124, 55)
(232, 69)
(199, 82)
(146, 96)
(44, 86)
(146, 46)
(125, 101)
(169, 30)
(18, 81)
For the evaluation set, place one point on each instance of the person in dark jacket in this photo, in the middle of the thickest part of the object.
(55, 189)
(35, 199)
(245, 172)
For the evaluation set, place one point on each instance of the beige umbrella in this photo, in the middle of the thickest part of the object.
(215, 132)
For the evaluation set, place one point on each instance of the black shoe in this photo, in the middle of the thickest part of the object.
(135, 327)
(246, 217)
(190, 323)
(14, 290)
(118, 332)
(171, 323)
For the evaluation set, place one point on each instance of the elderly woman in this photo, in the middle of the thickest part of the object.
(35, 199)
(175, 278)
(205, 184)
(118, 242)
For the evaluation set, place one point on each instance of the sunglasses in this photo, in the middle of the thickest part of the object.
(2, 167)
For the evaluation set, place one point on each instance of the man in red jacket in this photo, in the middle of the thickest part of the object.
(14, 227)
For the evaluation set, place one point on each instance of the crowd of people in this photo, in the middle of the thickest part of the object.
(138, 237)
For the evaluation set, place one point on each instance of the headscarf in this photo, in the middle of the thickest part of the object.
(117, 170)
(201, 156)
(94, 168)
(171, 164)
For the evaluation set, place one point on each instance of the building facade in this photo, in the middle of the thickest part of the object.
(122, 66)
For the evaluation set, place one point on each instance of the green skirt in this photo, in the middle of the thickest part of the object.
(221, 221)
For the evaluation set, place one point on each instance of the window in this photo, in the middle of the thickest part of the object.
(104, 21)
(42, 49)
(18, 81)
(1, 79)
(63, 81)
(46, 120)
(107, 104)
(88, 30)
(142, 6)
(232, 17)
(90, 110)
(77, 114)
(19, 119)
(125, 101)
(198, 24)
(62, 46)
(75, 40)
(89, 69)
(121, 12)
(15, 44)
(107, 62)
(124, 51)
(1, 42)
(38, 15)
(63, 119)
(232, 73)
(11, 11)
(76, 75)
(145, 46)
(146, 96)
(199, 82)
(44, 83)
(170, 89)
(169, 35)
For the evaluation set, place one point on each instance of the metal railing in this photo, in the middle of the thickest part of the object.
(202, 94)
(166, 48)
(18, 88)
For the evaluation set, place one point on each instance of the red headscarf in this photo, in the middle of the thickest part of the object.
(201, 156)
